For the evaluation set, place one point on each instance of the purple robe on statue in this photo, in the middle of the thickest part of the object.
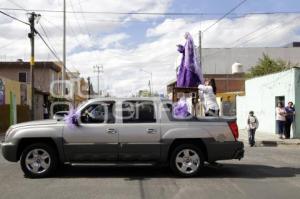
(189, 72)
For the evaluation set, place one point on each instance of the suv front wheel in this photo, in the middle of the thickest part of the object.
(186, 160)
(38, 160)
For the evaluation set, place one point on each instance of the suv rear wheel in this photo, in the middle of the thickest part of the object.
(38, 160)
(186, 160)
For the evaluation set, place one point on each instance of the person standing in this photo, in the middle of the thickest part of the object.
(280, 119)
(209, 91)
(290, 114)
(45, 110)
(252, 125)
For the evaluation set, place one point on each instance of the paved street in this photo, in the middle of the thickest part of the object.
(266, 172)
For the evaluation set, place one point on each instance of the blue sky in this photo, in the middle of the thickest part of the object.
(137, 30)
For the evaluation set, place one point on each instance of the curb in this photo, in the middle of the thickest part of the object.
(272, 143)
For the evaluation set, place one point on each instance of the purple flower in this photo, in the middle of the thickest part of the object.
(71, 118)
(180, 109)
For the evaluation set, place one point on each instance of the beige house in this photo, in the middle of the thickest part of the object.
(44, 74)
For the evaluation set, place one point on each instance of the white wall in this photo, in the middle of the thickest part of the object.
(260, 98)
(296, 132)
(241, 111)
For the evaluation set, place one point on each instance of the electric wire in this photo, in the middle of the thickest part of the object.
(84, 19)
(12, 17)
(46, 35)
(220, 19)
(154, 13)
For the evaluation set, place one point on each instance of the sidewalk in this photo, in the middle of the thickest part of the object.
(265, 139)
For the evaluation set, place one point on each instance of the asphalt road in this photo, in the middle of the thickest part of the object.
(265, 172)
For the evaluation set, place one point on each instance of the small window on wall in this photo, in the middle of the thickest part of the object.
(23, 77)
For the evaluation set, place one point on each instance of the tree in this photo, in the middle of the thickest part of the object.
(267, 65)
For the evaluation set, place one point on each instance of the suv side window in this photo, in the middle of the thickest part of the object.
(101, 112)
(138, 112)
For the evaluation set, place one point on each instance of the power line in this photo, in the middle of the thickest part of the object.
(252, 38)
(52, 23)
(230, 11)
(8, 44)
(53, 53)
(55, 25)
(18, 5)
(84, 19)
(74, 34)
(51, 50)
(47, 45)
(279, 25)
(250, 33)
(45, 33)
(113, 13)
(14, 18)
(153, 13)
(255, 37)
(75, 16)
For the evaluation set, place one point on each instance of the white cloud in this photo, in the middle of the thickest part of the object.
(169, 25)
(87, 33)
(84, 31)
(113, 40)
(122, 66)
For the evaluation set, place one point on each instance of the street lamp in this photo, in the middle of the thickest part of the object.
(151, 83)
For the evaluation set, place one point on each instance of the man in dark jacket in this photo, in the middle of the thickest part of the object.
(290, 114)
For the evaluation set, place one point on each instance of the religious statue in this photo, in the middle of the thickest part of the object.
(189, 71)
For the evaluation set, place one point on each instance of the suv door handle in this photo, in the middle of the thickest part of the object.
(151, 131)
(111, 131)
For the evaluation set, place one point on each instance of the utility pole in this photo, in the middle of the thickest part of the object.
(98, 69)
(31, 18)
(200, 48)
(150, 82)
(89, 88)
(200, 62)
(64, 52)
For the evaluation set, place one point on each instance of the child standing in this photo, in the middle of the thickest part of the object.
(252, 125)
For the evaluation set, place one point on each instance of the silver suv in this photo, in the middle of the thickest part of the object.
(131, 131)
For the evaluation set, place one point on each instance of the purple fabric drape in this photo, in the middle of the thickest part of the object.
(190, 73)
(69, 118)
(180, 109)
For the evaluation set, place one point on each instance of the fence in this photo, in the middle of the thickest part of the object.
(23, 115)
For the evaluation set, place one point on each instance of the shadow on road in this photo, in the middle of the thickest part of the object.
(143, 173)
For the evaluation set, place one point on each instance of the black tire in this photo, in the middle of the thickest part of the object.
(52, 160)
(178, 150)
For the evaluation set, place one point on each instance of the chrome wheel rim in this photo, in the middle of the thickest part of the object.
(37, 161)
(187, 161)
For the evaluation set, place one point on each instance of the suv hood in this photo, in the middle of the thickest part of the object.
(34, 123)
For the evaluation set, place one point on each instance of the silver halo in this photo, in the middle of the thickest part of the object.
(187, 161)
(37, 161)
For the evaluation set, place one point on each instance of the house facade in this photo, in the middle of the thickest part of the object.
(44, 74)
(263, 93)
